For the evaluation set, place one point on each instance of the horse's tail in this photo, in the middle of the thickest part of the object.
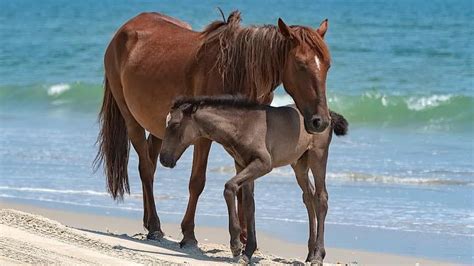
(339, 124)
(114, 145)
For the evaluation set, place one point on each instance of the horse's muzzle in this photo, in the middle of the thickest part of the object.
(316, 124)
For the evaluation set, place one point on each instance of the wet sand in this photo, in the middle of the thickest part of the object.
(29, 234)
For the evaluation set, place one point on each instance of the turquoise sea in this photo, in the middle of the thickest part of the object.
(402, 74)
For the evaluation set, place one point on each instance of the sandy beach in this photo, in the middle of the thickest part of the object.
(33, 235)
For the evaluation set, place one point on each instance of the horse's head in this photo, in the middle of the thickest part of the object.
(305, 71)
(181, 132)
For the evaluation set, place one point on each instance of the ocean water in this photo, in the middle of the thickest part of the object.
(402, 74)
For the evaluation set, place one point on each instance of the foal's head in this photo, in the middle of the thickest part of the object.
(181, 132)
(305, 71)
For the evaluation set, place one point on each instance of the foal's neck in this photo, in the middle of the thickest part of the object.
(217, 124)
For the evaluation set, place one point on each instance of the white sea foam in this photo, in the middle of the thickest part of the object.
(361, 177)
(55, 191)
(58, 89)
(422, 103)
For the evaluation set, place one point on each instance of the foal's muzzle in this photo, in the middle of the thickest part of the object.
(167, 161)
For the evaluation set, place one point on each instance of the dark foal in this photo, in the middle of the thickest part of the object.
(259, 138)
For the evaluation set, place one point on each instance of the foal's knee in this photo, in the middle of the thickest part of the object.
(323, 198)
(230, 190)
(307, 198)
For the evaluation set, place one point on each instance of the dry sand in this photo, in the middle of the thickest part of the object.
(27, 236)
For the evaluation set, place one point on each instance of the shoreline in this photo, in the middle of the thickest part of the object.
(120, 226)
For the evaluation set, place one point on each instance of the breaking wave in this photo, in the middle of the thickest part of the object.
(436, 111)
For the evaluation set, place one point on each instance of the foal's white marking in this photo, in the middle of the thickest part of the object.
(318, 64)
(168, 118)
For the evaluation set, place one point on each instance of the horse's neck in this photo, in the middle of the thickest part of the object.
(253, 63)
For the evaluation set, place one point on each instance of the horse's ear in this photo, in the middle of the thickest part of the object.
(323, 28)
(285, 30)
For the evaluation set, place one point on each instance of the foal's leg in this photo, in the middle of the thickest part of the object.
(248, 203)
(318, 160)
(196, 185)
(254, 170)
(301, 171)
(240, 210)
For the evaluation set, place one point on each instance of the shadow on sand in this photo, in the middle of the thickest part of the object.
(196, 253)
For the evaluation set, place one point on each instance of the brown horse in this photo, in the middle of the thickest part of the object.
(261, 139)
(154, 58)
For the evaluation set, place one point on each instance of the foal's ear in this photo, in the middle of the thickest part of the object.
(187, 108)
(323, 28)
(285, 30)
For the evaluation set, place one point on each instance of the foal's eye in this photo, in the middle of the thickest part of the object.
(173, 125)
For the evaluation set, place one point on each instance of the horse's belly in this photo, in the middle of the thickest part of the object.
(149, 105)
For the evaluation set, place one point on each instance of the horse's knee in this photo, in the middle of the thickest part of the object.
(197, 183)
(145, 167)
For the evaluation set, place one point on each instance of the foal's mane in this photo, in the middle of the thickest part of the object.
(253, 57)
(222, 101)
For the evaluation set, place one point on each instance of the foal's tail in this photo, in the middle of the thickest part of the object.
(114, 145)
(339, 124)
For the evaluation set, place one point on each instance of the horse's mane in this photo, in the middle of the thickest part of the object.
(254, 56)
(221, 101)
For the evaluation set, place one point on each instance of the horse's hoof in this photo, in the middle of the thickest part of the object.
(188, 243)
(244, 260)
(157, 235)
(236, 249)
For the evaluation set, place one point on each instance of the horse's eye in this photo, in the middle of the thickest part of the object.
(301, 64)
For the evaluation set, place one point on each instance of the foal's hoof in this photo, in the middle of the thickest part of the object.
(244, 260)
(316, 262)
(157, 235)
(188, 243)
(236, 249)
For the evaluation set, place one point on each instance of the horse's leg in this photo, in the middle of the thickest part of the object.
(254, 170)
(146, 165)
(146, 168)
(317, 161)
(196, 185)
(301, 171)
(249, 208)
(154, 145)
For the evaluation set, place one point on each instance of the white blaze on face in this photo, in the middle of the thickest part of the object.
(318, 63)
(168, 118)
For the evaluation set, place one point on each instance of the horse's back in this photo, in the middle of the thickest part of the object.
(150, 32)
